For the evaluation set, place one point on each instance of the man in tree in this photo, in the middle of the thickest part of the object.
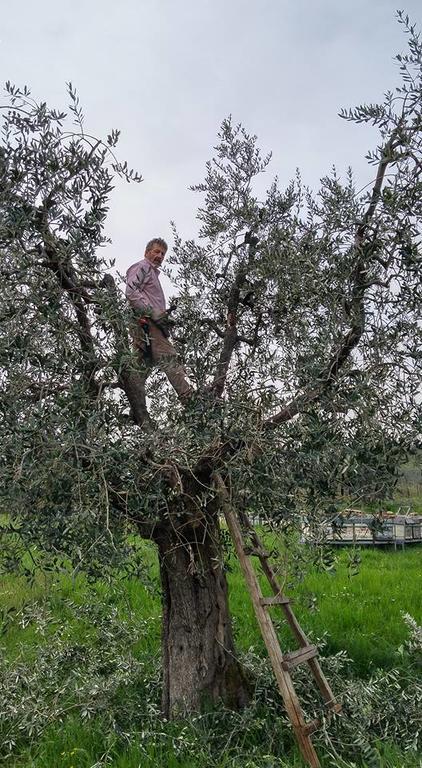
(152, 327)
(316, 379)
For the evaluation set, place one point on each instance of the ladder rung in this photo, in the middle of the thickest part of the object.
(311, 727)
(305, 653)
(294, 658)
(254, 552)
(277, 600)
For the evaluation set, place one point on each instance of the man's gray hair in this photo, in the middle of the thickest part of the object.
(156, 241)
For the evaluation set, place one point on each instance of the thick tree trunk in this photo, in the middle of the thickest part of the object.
(199, 661)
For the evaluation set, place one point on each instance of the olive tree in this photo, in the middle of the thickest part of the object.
(298, 321)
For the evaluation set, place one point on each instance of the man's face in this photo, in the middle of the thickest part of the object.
(156, 255)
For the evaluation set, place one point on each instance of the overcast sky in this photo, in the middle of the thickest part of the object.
(166, 72)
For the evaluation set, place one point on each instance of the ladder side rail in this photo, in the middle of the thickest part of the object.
(271, 577)
(320, 679)
(284, 680)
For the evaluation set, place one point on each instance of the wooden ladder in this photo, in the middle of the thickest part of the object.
(282, 664)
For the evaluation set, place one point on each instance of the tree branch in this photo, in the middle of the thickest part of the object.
(231, 336)
(213, 325)
(359, 284)
(66, 277)
(146, 528)
(129, 378)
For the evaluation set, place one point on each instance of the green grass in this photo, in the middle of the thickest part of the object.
(77, 747)
(361, 614)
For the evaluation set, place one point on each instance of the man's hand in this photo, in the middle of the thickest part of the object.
(164, 323)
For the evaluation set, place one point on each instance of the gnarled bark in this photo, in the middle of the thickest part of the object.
(199, 662)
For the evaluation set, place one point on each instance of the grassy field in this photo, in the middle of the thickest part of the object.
(74, 634)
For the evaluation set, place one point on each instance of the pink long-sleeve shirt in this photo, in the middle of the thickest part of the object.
(143, 288)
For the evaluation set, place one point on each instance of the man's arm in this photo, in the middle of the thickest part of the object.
(137, 292)
(135, 278)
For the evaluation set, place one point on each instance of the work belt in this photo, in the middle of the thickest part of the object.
(144, 323)
(145, 339)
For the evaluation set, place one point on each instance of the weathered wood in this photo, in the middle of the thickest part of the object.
(196, 625)
(277, 600)
(254, 552)
(294, 658)
(285, 684)
(312, 726)
(281, 664)
(320, 679)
